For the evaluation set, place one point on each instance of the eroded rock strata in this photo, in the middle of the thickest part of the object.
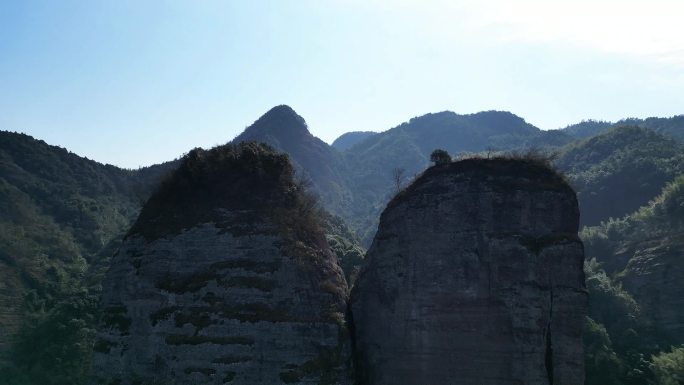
(474, 277)
(226, 278)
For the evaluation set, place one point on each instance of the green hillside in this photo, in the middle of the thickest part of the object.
(636, 292)
(672, 127)
(620, 170)
(61, 217)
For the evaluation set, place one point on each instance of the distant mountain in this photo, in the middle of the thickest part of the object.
(357, 182)
(314, 160)
(672, 127)
(620, 170)
(349, 139)
(407, 148)
(587, 128)
(457, 133)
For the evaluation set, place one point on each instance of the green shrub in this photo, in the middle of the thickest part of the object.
(669, 367)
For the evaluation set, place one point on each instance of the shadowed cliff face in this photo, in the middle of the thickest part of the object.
(474, 277)
(226, 278)
(654, 276)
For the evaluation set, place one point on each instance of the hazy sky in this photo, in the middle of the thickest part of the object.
(138, 82)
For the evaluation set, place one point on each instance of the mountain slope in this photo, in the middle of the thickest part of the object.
(644, 249)
(61, 215)
(457, 133)
(672, 127)
(587, 128)
(638, 300)
(620, 170)
(349, 139)
(314, 159)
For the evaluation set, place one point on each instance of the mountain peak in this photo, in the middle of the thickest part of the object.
(280, 121)
(504, 120)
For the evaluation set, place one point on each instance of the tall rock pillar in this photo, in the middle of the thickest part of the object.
(475, 277)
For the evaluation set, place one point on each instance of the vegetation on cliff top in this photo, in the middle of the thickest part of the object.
(236, 187)
(530, 170)
(245, 176)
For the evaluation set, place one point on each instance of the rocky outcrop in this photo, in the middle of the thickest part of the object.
(654, 277)
(643, 253)
(474, 277)
(225, 278)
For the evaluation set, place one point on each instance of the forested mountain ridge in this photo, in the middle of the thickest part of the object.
(620, 170)
(61, 216)
(456, 133)
(672, 127)
(58, 210)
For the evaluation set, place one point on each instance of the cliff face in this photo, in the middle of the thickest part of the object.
(225, 278)
(654, 277)
(474, 277)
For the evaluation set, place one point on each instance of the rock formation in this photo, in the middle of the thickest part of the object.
(654, 276)
(474, 277)
(225, 278)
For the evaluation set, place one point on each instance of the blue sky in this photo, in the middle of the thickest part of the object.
(134, 83)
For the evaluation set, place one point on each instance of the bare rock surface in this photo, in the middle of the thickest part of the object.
(225, 278)
(474, 277)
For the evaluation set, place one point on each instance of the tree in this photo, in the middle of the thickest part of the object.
(398, 177)
(439, 157)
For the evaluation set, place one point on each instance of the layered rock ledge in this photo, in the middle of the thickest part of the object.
(226, 278)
